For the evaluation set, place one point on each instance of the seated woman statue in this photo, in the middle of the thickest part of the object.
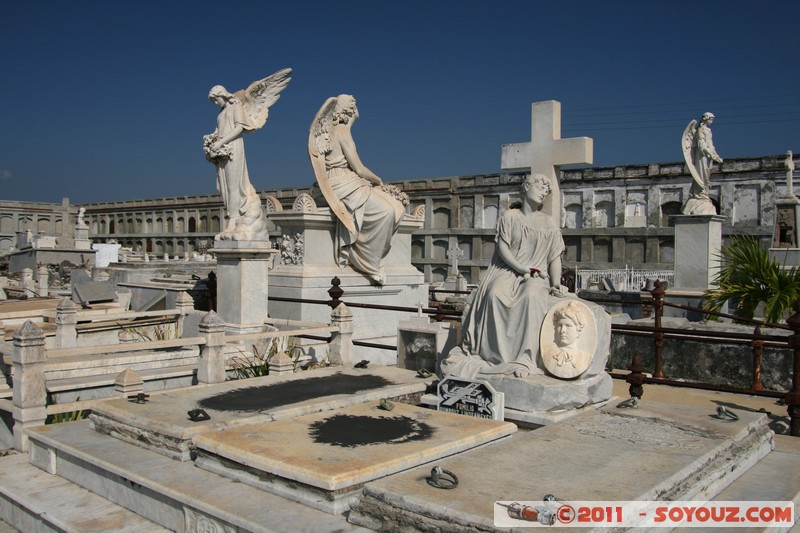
(500, 333)
(368, 216)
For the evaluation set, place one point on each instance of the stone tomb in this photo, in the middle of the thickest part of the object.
(332, 455)
(307, 264)
(656, 452)
(162, 424)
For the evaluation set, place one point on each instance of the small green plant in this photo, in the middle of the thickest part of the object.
(159, 332)
(68, 416)
(251, 366)
(246, 366)
(748, 276)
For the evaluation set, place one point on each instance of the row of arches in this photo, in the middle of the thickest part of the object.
(157, 225)
(161, 246)
(51, 225)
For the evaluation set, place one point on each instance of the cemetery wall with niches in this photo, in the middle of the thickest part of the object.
(613, 217)
(38, 217)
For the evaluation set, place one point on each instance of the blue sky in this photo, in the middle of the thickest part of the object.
(108, 100)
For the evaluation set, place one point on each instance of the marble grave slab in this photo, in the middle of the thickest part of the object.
(655, 452)
(163, 425)
(324, 459)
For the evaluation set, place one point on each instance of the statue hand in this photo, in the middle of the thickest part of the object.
(558, 291)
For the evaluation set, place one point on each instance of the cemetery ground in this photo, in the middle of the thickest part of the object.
(775, 477)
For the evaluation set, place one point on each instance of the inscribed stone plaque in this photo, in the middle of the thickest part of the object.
(471, 398)
(568, 340)
(90, 292)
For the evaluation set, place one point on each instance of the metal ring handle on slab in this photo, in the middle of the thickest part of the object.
(442, 479)
(723, 413)
(630, 403)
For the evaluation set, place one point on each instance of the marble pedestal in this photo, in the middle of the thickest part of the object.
(307, 264)
(82, 241)
(242, 272)
(698, 241)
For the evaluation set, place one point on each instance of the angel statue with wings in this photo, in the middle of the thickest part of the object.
(700, 156)
(368, 211)
(241, 112)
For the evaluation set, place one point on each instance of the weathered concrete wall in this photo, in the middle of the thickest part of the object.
(717, 363)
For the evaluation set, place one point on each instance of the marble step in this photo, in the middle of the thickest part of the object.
(33, 501)
(655, 452)
(173, 494)
(775, 478)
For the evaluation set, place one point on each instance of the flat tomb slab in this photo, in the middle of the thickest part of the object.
(655, 452)
(163, 424)
(323, 458)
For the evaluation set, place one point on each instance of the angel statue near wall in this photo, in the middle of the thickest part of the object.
(368, 211)
(241, 112)
(700, 156)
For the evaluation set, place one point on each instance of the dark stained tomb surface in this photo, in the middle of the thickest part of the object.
(351, 431)
(265, 397)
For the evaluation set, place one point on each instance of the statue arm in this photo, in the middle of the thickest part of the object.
(350, 153)
(234, 134)
(706, 144)
(554, 271)
(509, 259)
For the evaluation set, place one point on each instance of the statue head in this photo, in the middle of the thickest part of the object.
(345, 109)
(218, 91)
(536, 179)
(707, 117)
(569, 322)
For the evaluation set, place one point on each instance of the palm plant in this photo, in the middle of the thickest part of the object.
(748, 275)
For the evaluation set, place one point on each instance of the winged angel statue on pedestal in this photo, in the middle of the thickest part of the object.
(700, 156)
(241, 112)
(368, 211)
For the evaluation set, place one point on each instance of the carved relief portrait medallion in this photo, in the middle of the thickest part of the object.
(568, 339)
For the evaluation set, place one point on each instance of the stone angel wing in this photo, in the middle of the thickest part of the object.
(261, 94)
(319, 144)
(687, 145)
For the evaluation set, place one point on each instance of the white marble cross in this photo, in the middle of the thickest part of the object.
(547, 151)
(453, 254)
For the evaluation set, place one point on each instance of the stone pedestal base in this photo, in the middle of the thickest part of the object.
(242, 271)
(543, 393)
(307, 264)
(698, 241)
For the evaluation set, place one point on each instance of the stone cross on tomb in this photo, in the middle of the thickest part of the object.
(547, 151)
(454, 254)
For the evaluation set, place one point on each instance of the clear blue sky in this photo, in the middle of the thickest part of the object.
(107, 100)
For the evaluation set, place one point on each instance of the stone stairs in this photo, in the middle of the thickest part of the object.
(78, 479)
(35, 501)
(32, 500)
(168, 494)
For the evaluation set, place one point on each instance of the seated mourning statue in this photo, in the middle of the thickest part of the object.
(521, 296)
(368, 211)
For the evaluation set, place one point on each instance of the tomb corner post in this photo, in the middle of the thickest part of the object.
(30, 391)
(341, 345)
(211, 367)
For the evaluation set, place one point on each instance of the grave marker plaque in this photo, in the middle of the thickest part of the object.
(470, 397)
